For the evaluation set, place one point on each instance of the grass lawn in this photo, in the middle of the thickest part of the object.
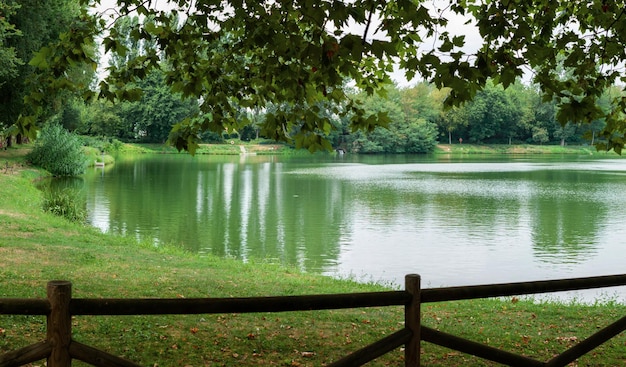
(36, 247)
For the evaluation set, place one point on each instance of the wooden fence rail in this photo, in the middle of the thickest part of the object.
(59, 349)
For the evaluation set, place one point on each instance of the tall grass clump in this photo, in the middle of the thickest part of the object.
(65, 203)
(58, 151)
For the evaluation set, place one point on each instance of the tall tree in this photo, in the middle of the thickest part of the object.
(152, 117)
(9, 60)
(453, 120)
(245, 53)
(38, 24)
(421, 101)
(487, 115)
(520, 112)
(544, 116)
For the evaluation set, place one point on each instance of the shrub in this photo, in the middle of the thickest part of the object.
(58, 151)
(102, 144)
(65, 203)
(113, 146)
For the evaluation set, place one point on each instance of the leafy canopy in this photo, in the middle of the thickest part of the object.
(299, 53)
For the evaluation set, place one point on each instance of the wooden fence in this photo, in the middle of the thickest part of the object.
(59, 348)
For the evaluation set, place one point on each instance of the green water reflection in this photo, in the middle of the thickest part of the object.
(453, 221)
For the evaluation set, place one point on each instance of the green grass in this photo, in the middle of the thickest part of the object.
(518, 149)
(265, 147)
(36, 247)
(255, 147)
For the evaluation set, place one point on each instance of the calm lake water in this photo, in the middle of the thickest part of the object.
(453, 221)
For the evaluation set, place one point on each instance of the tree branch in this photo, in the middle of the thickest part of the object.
(369, 22)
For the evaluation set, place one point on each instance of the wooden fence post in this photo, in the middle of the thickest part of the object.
(412, 320)
(59, 332)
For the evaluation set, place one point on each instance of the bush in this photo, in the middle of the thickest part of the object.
(58, 151)
(102, 144)
(65, 203)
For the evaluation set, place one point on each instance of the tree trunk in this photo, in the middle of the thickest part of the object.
(449, 137)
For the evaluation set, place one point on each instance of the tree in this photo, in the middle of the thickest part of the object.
(421, 137)
(9, 61)
(244, 53)
(540, 135)
(101, 118)
(604, 103)
(565, 132)
(151, 118)
(406, 131)
(31, 26)
(421, 101)
(544, 115)
(488, 113)
(382, 140)
(453, 120)
(520, 112)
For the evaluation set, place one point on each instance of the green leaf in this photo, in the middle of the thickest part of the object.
(446, 46)
(40, 59)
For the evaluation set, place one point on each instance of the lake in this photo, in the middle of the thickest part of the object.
(454, 221)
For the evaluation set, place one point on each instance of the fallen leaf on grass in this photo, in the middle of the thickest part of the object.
(567, 338)
(308, 354)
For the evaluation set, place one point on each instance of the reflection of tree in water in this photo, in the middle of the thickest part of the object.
(236, 209)
(565, 228)
(256, 211)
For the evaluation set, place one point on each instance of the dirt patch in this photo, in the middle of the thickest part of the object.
(9, 168)
(12, 214)
(12, 255)
(12, 160)
(14, 152)
(262, 147)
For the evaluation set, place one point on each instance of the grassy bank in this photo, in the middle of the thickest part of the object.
(518, 149)
(36, 247)
(262, 147)
(236, 148)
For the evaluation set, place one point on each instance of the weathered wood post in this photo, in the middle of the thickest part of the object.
(59, 333)
(412, 316)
